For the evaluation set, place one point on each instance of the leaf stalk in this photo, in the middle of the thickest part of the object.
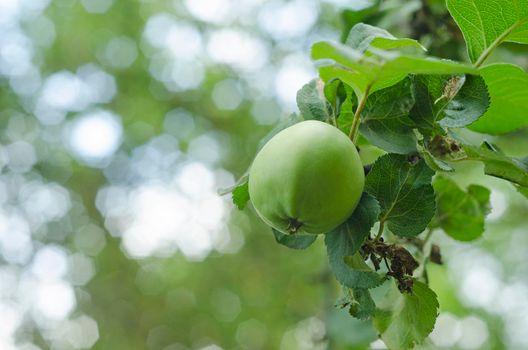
(496, 43)
(357, 115)
(380, 231)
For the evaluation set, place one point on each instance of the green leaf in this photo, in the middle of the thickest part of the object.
(362, 275)
(468, 105)
(359, 301)
(334, 92)
(499, 165)
(294, 241)
(362, 306)
(487, 23)
(431, 161)
(427, 90)
(434, 163)
(522, 190)
(346, 115)
(508, 90)
(362, 36)
(358, 226)
(404, 192)
(461, 214)
(346, 112)
(356, 75)
(312, 101)
(404, 320)
(450, 101)
(379, 70)
(342, 54)
(241, 194)
(385, 119)
(357, 263)
(406, 64)
(344, 242)
(243, 179)
(368, 153)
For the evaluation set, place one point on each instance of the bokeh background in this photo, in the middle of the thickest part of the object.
(119, 121)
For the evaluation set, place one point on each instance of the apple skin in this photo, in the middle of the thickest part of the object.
(307, 179)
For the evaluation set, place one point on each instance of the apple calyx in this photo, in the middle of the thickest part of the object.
(293, 225)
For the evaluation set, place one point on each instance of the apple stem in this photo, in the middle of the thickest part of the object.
(357, 115)
(293, 225)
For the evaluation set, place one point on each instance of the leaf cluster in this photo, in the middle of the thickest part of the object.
(385, 92)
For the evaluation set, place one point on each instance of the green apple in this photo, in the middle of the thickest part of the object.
(307, 179)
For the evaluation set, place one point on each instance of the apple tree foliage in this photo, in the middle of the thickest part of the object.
(387, 92)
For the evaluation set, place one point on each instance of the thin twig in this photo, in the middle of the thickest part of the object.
(425, 275)
(426, 257)
(427, 236)
(357, 115)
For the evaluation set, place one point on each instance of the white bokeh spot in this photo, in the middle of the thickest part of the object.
(94, 136)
